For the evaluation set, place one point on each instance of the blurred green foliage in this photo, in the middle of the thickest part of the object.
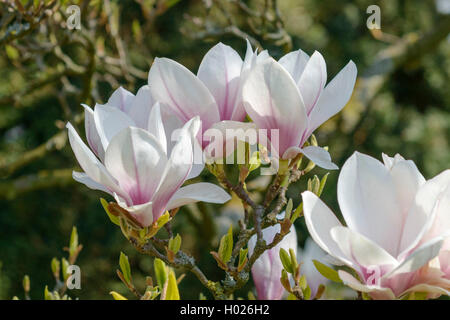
(48, 71)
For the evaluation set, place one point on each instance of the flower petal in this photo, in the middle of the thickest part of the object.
(175, 172)
(418, 258)
(141, 106)
(90, 164)
(361, 250)
(92, 135)
(220, 71)
(272, 100)
(376, 291)
(88, 182)
(137, 160)
(427, 213)
(295, 62)
(109, 121)
(156, 127)
(319, 221)
(313, 80)
(121, 99)
(368, 201)
(173, 84)
(334, 97)
(203, 191)
(320, 157)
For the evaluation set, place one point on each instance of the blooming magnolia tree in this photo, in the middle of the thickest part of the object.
(259, 114)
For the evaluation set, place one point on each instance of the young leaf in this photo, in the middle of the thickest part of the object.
(327, 272)
(160, 272)
(117, 296)
(114, 219)
(242, 258)
(73, 241)
(172, 292)
(322, 184)
(286, 261)
(125, 267)
(175, 244)
(226, 246)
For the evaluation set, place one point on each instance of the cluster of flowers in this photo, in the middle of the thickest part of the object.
(142, 150)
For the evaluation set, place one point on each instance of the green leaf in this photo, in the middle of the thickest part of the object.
(226, 246)
(294, 262)
(112, 217)
(65, 265)
(26, 283)
(125, 267)
(160, 272)
(315, 185)
(322, 183)
(307, 293)
(47, 294)
(172, 292)
(297, 213)
(289, 208)
(73, 246)
(254, 162)
(117, 296)
(286, 261)
(327, 272)
(55, 265)
(175, 244)
(242, 256)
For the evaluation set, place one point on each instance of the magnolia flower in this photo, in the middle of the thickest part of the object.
(266, 270)
(397, 227)
(213, 94)
(310, 252)
(133, 160)
(290, 96)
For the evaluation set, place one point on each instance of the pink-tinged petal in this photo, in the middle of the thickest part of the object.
(141, 107)
(312, 81)
(90, 164)
(435, 291)
(156, 127)
(110, 121)
(419, 257)
(376, 292)
(173, 84)
(295, 62)
(368, 201)
(426, 209)
(408, 180)
(320, 157)
(220, 71)
(441, 224)
(319, 221)
(92, 135)
(175, 173)
(361, 250)
(272, 100)
(121, 99)
(143, 213)
(88, 182)
(137, 160)
(202, 191)
(334, 97)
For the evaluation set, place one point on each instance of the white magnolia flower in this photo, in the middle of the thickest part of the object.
(134, 160)
(290, 96)
(397, 227)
